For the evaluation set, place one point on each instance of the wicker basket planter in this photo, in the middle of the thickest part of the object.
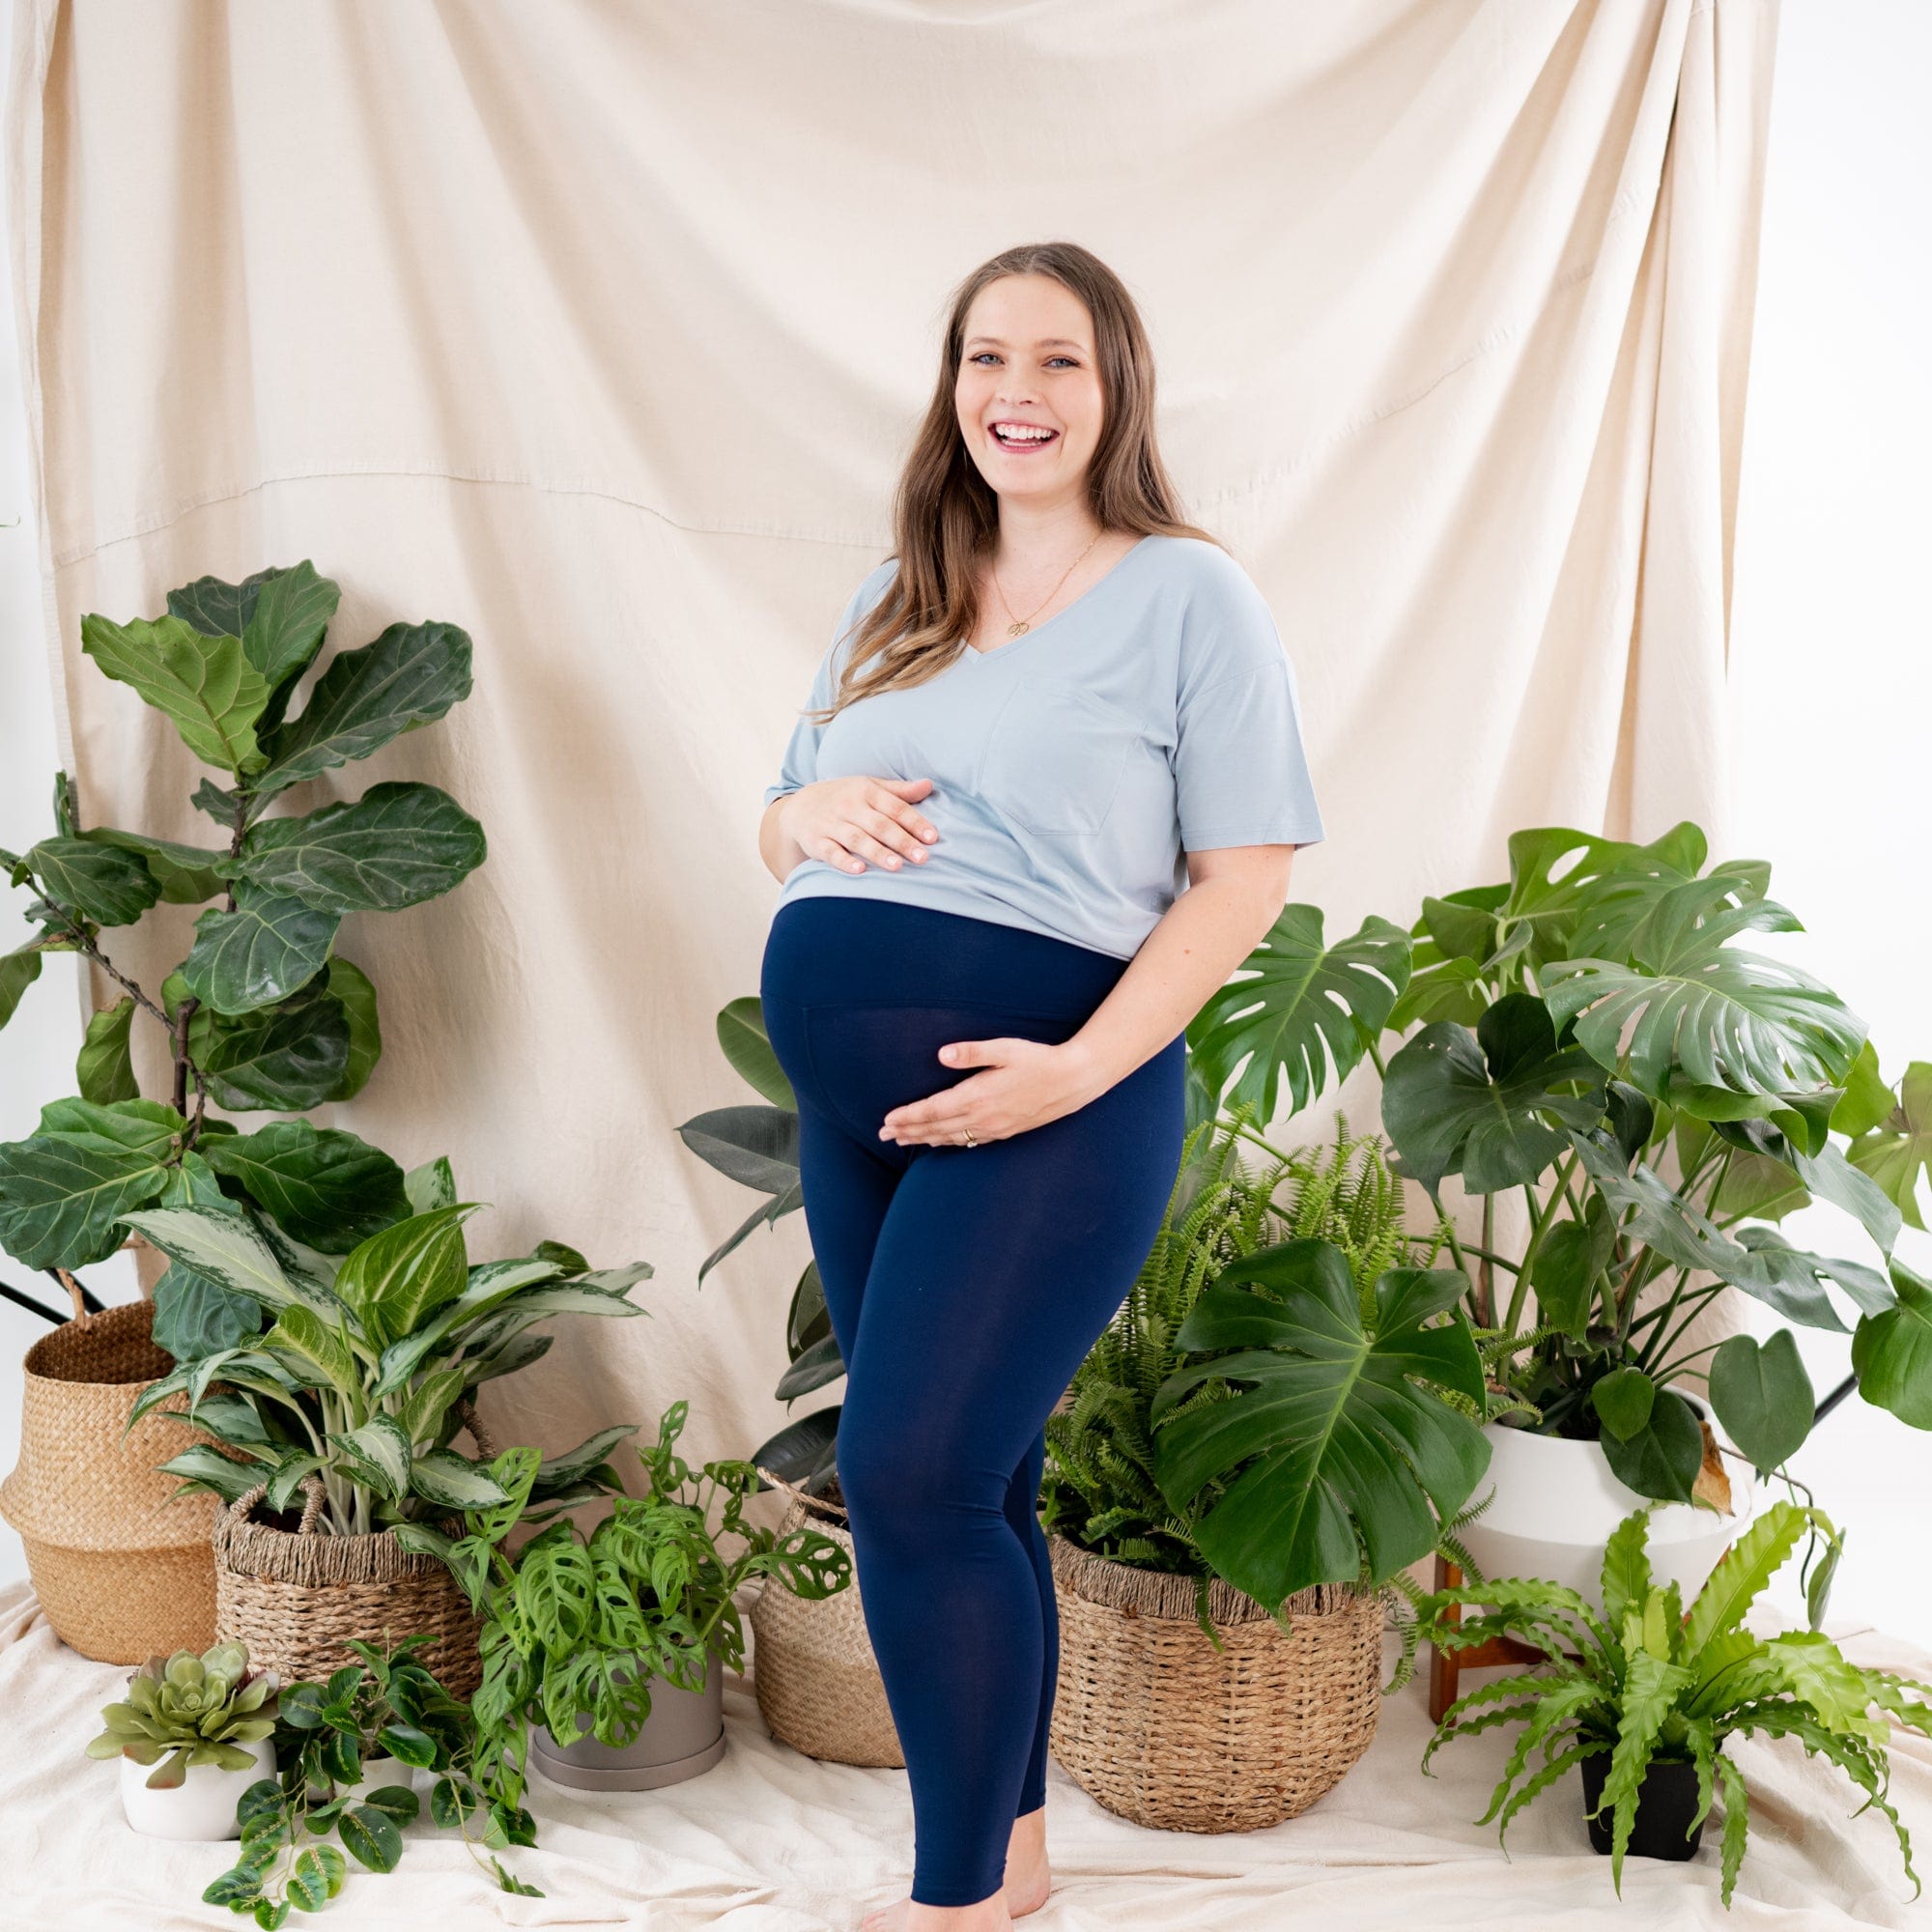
(1156, 1724)
(293, 1596)
(119, 1557)
(813, 1669)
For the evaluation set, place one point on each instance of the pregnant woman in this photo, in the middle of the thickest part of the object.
(1043, 804)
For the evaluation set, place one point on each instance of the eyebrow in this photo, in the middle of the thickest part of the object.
(1045, 342)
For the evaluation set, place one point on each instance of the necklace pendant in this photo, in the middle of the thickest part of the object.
(1015, 630)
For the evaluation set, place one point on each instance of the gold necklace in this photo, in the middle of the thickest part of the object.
(1020, 625)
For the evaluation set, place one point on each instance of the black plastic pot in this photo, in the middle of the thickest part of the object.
(1667, 1800)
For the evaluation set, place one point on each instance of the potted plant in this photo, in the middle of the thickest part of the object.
(1591, 1039)
(192, 1733)
(1643, 1696)
(1219, 1559)
(365, 1371)
(348, 1751)
(610, 1646)
(263, 1014)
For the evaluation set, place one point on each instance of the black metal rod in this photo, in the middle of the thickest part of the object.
(34, 1307)
(1833, 1400)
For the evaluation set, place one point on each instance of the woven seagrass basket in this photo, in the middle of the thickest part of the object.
(813, 1669)
(295, 1596)
(119, 1557)
(1156, 1724)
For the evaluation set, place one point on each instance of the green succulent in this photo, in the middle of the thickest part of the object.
(187, 1709)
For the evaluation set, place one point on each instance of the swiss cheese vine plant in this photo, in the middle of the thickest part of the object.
(1590, 1036)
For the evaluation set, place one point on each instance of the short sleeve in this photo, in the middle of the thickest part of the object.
(800, 764)
(1240, 770)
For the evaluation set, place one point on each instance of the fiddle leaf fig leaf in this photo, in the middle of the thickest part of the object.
(323, 1186)
(1340, 1450)
(395, 847)
(348, 984)
(186, 874)
(205, 684)
(101, 882)
(18, 970)
(411, 674)
(288, 1056)
(104, 1073)
(260, 952)
(1299, 1005)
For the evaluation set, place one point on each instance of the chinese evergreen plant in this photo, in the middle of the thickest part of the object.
(368, 1365)
(1588, 1035)
(1650, 1683)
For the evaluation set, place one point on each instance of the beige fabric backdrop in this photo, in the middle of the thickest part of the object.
(601, 331)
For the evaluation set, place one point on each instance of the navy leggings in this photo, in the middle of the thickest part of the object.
(965, 1285)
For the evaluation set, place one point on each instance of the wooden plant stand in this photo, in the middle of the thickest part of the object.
(1446, 1666)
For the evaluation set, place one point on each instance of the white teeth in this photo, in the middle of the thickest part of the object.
(1020, 433)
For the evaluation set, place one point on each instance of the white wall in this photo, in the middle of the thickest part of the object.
(1831, 645)
(1830, 665)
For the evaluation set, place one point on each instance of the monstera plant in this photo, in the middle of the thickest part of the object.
(1590, 1036)
(263, 1014)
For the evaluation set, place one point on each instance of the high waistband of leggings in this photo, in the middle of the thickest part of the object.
(827, 950)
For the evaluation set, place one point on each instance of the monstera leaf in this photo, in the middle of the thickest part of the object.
(1339, 1451)
(1299, 995)
(1897, 1153)
(1692, 1008)
(1478, 1104)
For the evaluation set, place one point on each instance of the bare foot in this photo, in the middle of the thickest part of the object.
(1028, 1879)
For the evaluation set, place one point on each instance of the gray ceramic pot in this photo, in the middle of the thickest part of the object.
(683, 1736)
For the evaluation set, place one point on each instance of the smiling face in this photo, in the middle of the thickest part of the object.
(1028, 393)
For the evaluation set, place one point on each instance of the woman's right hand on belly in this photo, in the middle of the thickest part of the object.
(852, 822)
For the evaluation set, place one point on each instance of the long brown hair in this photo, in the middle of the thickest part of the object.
(946, 517)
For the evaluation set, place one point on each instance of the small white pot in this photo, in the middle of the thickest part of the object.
(1556, 1504)
(202, 1807)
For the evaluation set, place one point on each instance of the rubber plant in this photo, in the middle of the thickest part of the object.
(263, 1014)
(1652, 1683)
(1588, 1034)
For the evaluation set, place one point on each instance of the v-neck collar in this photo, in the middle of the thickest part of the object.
(1027, 636)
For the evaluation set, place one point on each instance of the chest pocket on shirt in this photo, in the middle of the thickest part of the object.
(1054, 756)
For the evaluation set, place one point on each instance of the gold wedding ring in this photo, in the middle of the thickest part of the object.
(970, 1141)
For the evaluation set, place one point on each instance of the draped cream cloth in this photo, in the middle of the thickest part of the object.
(601, 330)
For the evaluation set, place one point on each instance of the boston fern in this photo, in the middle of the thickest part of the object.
(356, 1373)
(1648, 1681)
(263, 1014)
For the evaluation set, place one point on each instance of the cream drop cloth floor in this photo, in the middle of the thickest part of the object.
(771, 1841)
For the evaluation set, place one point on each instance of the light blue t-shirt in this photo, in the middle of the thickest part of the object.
(1073, 766)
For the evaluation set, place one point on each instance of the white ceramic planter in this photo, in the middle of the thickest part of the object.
(202, 1807)
(1557, 1502)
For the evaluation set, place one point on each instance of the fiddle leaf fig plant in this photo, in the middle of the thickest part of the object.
(263, 1014)
(1591, 1035)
